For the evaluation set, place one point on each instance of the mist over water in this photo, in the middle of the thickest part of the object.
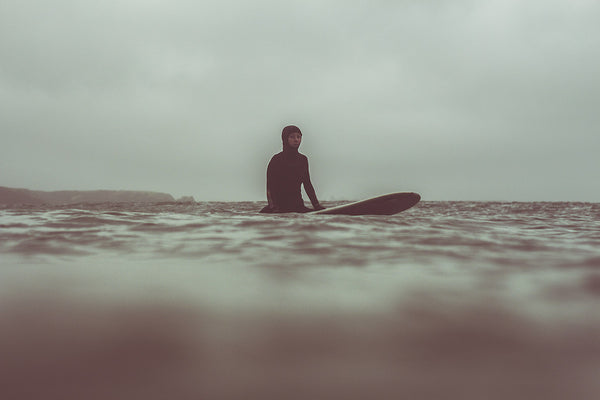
(456, 300)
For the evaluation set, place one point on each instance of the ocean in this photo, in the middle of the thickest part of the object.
(452, 300)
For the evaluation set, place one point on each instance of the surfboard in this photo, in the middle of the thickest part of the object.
(388, 204)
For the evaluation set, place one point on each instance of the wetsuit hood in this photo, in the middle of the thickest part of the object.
(288, 130)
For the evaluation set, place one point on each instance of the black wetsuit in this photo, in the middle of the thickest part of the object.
(286, 172)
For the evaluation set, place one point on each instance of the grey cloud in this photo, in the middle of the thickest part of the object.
(190, 97)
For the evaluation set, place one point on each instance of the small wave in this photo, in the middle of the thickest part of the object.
(14, 226)
(449, 232)
(45, 246)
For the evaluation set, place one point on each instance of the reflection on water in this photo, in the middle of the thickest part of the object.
(447, 300)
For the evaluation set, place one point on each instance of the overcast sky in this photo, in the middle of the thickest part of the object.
(456, 100)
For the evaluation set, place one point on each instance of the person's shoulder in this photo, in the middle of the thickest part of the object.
(277, 156)
(303, 157)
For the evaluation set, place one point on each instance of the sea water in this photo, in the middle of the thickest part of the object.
(452, 300)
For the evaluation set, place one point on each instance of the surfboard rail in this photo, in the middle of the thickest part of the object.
(387, 204)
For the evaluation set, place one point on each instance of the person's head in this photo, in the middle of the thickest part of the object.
(291, 137)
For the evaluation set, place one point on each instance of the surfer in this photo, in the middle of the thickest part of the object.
(286, 172)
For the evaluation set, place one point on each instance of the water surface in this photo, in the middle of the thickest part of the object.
(460, 300)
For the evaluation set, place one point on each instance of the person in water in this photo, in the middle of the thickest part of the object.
(286, 172)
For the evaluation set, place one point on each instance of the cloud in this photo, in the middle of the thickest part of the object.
(381, 87)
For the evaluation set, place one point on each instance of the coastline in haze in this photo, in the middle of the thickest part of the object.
(37, 197)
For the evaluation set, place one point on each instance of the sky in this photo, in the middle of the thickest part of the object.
(456, 100)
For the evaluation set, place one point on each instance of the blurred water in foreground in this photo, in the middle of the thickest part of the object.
(453, 300)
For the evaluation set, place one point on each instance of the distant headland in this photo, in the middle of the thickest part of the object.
(26, 196)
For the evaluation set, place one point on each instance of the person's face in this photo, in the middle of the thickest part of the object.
(294, 139)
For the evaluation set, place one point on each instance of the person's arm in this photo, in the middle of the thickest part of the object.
(310, 190)
(270, 180)
(270, 199)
